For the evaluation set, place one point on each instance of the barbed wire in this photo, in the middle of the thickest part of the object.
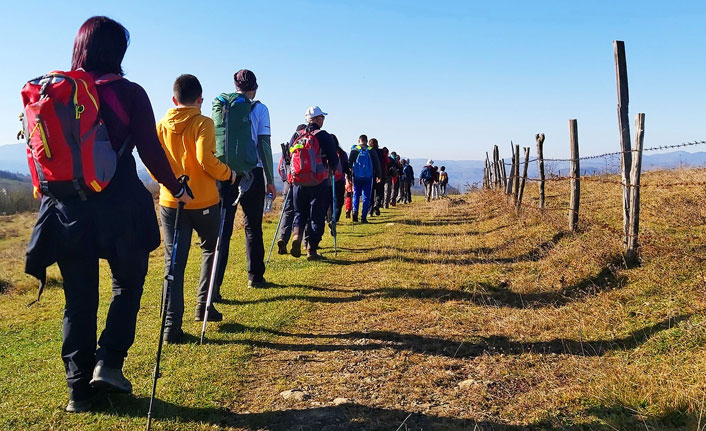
(618, 153)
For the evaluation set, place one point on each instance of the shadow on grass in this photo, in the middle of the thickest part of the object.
(348, 417)
(492, 345)
(491, 295)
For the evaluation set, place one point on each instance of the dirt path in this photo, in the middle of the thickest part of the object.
(405, 334)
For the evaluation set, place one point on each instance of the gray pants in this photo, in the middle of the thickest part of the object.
(206, 222)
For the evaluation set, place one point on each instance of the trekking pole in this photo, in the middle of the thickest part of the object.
(333, 212)
(214, 269)
(279, 223)
(166, 290)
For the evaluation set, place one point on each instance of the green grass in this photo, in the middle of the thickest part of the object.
(548, 329)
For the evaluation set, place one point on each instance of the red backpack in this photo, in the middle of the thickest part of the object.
(307, 166)
(68, 148)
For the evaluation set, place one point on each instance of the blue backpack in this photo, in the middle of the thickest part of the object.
(363, 166)
(427, 174)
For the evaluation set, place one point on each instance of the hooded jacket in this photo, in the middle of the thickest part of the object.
(189, 140)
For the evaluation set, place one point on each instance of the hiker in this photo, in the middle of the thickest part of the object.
(312, 189)
(349, 196)
(189, 139)
(285, 231)
(409, 173)
(395, 172)
(402, 183)
(443, 180)
(435, 183)
(117, 223)
(253, 164)
(427, 178)
(391, 169)
(365, 166)
(379, 184)
(342, 172)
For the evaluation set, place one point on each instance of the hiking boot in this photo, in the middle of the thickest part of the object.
(110, 380)
(213, 314)
(79, 406)
(387, 206)
(355, 217)
(312, 255)
(281, 247)
(348, 214)
(377, 211)
(257, 284)
(365, 221)
(296, 250)
(173, 336)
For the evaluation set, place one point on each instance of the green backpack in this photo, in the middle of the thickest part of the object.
(234, 144)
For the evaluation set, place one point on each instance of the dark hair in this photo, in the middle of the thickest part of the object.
(100, 46)
(301, 127)
(187, 89)
(443, 168)
(363, 138)
(373, 142)
(245, 80)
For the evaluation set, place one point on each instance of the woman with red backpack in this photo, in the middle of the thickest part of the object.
(117, 223)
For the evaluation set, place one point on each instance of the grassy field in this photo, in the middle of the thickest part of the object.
(456, 314)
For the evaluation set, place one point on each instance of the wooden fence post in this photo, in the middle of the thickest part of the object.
(511, 177)
(540, 166)
(516, 168)
(575, 173)
(490, 170)
(631, 252)
(496, 165)
(524, 180)
(621, 75)
(504, 174)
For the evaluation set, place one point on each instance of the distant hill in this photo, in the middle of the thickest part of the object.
(461, 172)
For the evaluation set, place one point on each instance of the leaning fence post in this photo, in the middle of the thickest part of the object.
(621, 75)
(524, 180)
(504, 174)
(575, 176)
(490, 170)
(632, 245)
(516, 168)
(540, 166)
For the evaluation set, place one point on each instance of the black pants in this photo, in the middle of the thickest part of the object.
(252, 204)
(206, 222)
(80, 274)
(310, 205)
(378, 195)
(285, 229)
(395, 192)
(408, 190)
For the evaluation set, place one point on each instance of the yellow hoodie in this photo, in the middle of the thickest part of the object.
(189, 140)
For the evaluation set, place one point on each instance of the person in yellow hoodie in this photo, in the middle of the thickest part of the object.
(188, 139)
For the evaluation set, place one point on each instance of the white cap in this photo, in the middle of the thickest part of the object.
(313, 112)
(430, 162)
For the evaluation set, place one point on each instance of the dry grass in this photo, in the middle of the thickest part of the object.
(467, 316)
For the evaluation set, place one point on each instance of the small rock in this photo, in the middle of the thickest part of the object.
(294, 394)
(467, 384)
(341, 400)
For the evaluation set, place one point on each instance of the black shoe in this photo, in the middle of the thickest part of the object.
(281, 247)
(79, 406)
(312, 255)
(110, 380)
(348, 214)
(173, 335)
(377, 211)
(355, 217)
(213, 314)
(296, 250)
(257, 284)
(364, 221)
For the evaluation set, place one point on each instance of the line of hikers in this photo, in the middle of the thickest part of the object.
(435, 180)
(81, 128)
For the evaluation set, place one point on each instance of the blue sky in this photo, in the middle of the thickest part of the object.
(443, 79)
